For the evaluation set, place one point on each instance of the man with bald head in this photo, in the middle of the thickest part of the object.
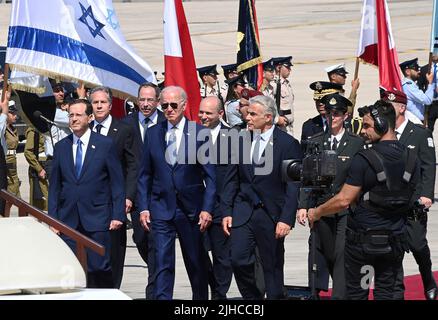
(210, 113)
(176, 195)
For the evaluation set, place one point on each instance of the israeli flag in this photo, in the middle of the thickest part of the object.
(76, 40)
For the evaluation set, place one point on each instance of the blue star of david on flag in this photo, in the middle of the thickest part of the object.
(112, 15)
(88, 13)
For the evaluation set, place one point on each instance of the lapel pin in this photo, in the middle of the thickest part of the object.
(93, 147)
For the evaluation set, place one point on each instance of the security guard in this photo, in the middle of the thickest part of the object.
(210, 85)
(268, 85)
(330, 231)
(230, 71)
(318, 124)
(36, 157)
(419, 139)
(284, 95)
(11, 155)
(381, 181)
(417, 99)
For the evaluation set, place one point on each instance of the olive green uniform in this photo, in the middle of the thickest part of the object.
(38, 194)
(11, 161)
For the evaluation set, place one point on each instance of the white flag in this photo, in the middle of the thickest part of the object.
(74, 40)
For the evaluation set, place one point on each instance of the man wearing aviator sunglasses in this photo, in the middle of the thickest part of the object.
(176, 194)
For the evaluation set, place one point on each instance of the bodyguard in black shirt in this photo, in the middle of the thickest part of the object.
(383, 179)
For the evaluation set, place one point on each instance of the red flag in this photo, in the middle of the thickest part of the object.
(179, 62)
(376, 43)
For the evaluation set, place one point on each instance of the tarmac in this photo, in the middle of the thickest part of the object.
(317, 34)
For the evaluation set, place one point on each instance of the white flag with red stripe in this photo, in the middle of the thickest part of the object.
(376, 43)
(179, 62)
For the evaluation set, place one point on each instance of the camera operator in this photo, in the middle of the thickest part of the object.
(419, 139)
(331, 230)
(382, 180)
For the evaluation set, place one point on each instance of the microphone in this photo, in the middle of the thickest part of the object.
(38, 114)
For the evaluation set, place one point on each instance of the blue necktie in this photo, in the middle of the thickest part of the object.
(145, 126)
(78, 163)
(99, 127)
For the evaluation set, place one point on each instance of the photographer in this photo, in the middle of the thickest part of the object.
(382, 180)
(330, 231)
(418, 139)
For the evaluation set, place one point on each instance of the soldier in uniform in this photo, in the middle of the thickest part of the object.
(318, 123)
(381, 181)
(423, 84)
(338, 74)
(417, 99)
(11, 155)
(230, 71)
(419, 139)
(268, 85)
(231, 106)
(210, 85)
(36, 157)
(284, 96)
(330, 231)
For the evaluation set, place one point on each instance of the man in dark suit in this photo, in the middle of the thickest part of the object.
(176, 195)
(85, 191)
(258, 206)
(416, 137)
(211, 112)
(146, 117)
(123, 137)
(318, 124)
(330, 231)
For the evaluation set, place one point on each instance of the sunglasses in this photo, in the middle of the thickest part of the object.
(173, 105)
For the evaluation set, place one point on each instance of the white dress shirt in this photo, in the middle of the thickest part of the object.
(215, 132)
(338, 138)
(105, 125)
(401, 128)
(85, 139)
(265, 136)
(178, 132)
(153, 120)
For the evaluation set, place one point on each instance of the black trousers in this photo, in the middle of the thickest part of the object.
(144, 241)
(221, 270)
(118, 252)
(433, 115)
(258, 231)
(331, 234)
(416, 232)
(360, 267)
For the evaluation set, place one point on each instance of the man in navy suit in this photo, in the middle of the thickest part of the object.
(85, 191)
(123, 137)
(146, 117)
(211, 112)
(176, 195)
(258, 206)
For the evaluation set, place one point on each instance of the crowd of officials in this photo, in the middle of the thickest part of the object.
(219, 185)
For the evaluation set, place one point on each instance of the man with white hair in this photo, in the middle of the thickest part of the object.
(258, 205)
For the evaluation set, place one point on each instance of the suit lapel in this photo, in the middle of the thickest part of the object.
(69, 154)
(406, 133)
(113, 129)
(89, 155)
(343, 143)
(136, 124)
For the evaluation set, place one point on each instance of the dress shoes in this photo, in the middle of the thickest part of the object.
(431, 294)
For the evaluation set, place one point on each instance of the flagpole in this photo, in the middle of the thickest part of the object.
(5, 81)
(356, 69)
(427, 108)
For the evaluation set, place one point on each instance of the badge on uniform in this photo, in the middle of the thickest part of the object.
(344, 158)
(430, 142)
(411, 146)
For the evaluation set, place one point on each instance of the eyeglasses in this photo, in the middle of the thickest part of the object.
(173, 105)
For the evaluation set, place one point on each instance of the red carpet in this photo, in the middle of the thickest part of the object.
(413, 288)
